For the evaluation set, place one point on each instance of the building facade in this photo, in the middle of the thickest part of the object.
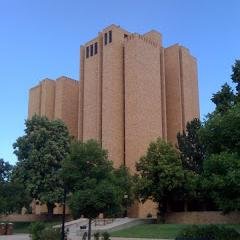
(131, 91)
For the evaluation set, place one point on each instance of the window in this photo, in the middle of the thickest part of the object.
(91, 50)
(95, 48)
(125, 35)
(87, 52)
(105, 39)
(110, 36)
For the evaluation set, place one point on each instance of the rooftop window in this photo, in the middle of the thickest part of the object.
(110, 36)
(87, 52)
(95, 48)
(91, 50)
(105, 38)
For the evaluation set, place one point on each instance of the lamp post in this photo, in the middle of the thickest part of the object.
(64, 212)
(125, 201)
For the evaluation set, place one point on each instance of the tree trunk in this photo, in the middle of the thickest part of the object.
(50, 207)
(204, 206)
(89, 228)
(185, 205)
(162, 209)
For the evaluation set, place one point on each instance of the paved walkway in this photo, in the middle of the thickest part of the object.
(117, 238)
(26, 237)
(15, 237)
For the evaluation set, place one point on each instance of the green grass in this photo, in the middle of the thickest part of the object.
(236, 226)
(139, 231)
(23, 227)
(155, 231)
(150, 231)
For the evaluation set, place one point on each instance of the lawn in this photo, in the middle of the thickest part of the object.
(155, 231)
(140, 231)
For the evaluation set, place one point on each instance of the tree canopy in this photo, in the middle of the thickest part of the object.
(223, 99)
(222, 180)
(236, 75)
(161, 176)
(221, 133)
(192, 152)
(8, 189)
(94, 185)
(41, 151)
(13, 197)
(125, 182)
(5, 171)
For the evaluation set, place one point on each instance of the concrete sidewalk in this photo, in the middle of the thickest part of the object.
(26, 237)
(118, 238)
(15, 237)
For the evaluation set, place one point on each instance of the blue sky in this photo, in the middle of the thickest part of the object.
(41, 38)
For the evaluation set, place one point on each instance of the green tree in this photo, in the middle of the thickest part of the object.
(13, 197)
(191, 150)
(8, 189)
(221, 133)
(161, 176)
(222, 180)
(91, 179)
(125, 182)
(223, 99)
(236, 75)
(41, 151)
(5, 171)
(192, 153)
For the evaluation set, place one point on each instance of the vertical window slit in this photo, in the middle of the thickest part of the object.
(87, 52)
(91, 50)
(105, 39)
(110, 36)
(95, 48)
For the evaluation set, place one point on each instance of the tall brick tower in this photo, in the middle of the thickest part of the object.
(56, 100)
(131, 91)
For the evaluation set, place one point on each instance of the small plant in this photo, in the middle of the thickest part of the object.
(50, 234)
(105, 236)
(96, 236)
(36, 229)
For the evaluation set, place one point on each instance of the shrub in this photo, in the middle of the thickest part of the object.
(208, 232)
(96, 236)
(36, 229)
(50, 234)
(106, 236)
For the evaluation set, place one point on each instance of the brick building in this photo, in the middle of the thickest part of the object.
(131, 91)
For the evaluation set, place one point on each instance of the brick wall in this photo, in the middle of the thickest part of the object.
(143, 108)
(113, 96)
(28, 218)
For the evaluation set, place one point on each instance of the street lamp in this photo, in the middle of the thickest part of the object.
(125, 201)
(64, 212)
